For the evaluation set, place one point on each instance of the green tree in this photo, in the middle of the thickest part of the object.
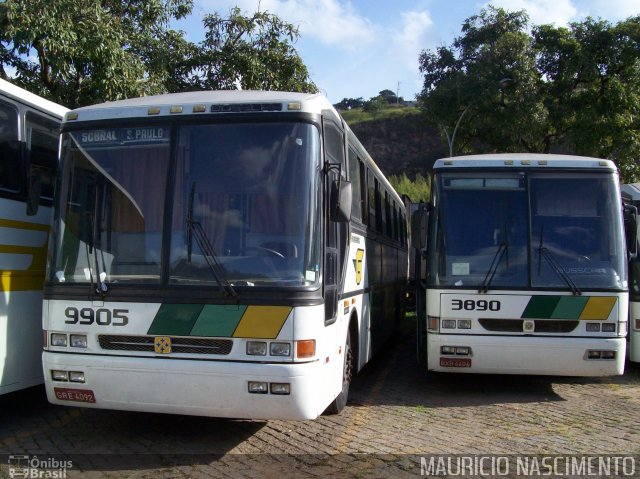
(417, 190)
(548, 89)
(389, 96)
(78, 52)
(251, 52)
(375, 105)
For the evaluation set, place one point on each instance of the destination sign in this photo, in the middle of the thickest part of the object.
(121, 136)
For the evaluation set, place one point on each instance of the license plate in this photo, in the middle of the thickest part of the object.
(77, 395)
(455, 362)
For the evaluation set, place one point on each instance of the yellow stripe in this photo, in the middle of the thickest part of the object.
(263, 322)
(19, 281)
(23, 225)
(598, 307)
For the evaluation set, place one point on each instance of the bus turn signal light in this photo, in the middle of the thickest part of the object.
(305, 348)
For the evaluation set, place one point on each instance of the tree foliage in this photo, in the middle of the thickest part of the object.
(78, 52)
(568, 89)
(349, 103)
(417, 190)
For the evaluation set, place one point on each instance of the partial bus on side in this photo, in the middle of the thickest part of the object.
(232, 254)
(29, 128)
(526, 267)
(631, 195)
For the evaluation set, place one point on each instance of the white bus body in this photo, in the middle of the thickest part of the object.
(526, 267)
(29, 128)
(202, 261)
(631, 194)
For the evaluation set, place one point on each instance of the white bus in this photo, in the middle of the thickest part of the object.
(223, 253)
(526, 267)
(29, 128)
(631, 195)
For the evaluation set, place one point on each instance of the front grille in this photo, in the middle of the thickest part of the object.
(178, 345)
(541, 326)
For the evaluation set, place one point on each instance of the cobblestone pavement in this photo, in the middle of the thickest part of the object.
(397, 415)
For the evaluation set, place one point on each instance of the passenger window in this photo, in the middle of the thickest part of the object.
(354, 177)
(42, 145)
(9, 148)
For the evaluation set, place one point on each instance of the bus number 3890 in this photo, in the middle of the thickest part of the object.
(475, 305)
(101, 317)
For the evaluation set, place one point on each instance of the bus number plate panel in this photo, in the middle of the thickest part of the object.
(455, 362)
(77, 395)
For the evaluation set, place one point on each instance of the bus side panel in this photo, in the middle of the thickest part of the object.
(634, 334)
(23, 249)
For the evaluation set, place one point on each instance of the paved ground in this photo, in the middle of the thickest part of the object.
(397, 416)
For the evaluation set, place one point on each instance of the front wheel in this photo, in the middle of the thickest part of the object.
(340, 401)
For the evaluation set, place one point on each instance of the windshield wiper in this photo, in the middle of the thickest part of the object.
(493, 268)
(92, 250)
(555, 265)
(196, 231)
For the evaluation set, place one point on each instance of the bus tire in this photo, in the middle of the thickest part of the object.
(340, 401)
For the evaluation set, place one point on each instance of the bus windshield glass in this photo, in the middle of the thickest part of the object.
(195, 204)
(520, 230)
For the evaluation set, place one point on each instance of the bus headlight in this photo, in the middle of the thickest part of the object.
(280, 349)
(256, 348)
(59, 340)
(78, 341)
(608, 327)
(448, 324)
(464, 324)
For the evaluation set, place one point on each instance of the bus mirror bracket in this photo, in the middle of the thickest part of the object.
(419, 226)
(35, 189)
(631, 229)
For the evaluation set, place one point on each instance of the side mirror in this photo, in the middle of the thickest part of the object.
(340, 201)
(35, 190)
(419, 227)
(631, 229)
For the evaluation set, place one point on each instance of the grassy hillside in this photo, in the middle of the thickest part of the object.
(398, 139)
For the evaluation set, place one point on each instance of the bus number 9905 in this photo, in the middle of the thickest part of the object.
(475, 305)
(102, 316)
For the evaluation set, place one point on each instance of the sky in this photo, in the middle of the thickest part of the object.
(357, 48)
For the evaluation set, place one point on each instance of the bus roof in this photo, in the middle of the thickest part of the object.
(523, 160)
(32, 100)
(631, 192)
(202, 103)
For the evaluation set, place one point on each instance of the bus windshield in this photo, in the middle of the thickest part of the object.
(195, 204)
(519, 230)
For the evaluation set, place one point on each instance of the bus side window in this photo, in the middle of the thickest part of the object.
(9, 148)
(373, 221)
(42, 145)
(354, 177)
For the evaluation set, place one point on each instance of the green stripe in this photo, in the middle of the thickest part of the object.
(218, 320)
(541, 307)
(175, 319)
(569, 307)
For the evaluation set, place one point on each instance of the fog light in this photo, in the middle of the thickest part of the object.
(464, 324)
(78, 341)
(258, 387)
(280, 388)
(448, 324)
(463, 351)
(256, 348)
(447, 350)
(609, 327)
(59, 375)
(58, 339)
(280, 349)
(593, 327)
(433, 323)
(306, 348)
(594, 354)
(608, 354)
(76, 376)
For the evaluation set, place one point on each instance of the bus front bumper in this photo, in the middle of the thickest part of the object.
(182, 386)
(525, 355)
